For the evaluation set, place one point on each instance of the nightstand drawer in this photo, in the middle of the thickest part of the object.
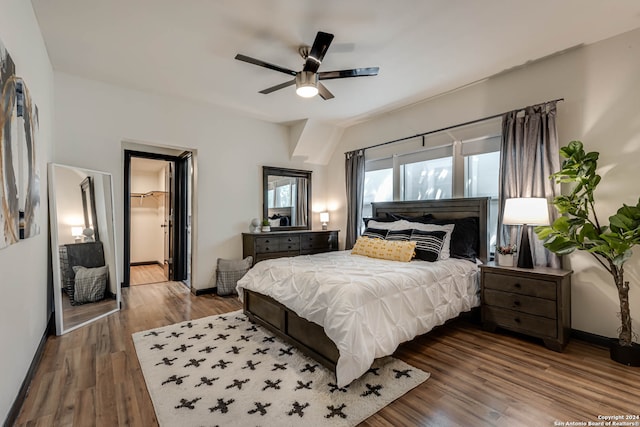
(520, 285)
(520, 322)
(522, 303)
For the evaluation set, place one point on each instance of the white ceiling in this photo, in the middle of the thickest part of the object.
(186, 48)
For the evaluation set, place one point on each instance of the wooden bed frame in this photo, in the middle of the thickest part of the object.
(310, 337)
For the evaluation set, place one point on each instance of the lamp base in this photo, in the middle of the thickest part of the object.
(525, 260)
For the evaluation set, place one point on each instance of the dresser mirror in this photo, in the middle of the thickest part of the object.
(286, 198)
(85, 274)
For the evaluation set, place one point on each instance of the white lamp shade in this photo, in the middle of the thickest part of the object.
(76, 231)
(324, 216)
(526, 210)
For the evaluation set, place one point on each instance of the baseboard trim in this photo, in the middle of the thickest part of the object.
(591, 338)
(12, 416)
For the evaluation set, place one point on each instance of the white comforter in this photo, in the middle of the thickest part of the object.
(367, 306)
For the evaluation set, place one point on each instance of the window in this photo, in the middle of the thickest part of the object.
(468, 168)
(378, 184)
(429, 179)
(481, 178)
(281, 193)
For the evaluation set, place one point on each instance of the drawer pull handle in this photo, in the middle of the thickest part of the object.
(266, 249)
(267, 241)
(517, 285)
(516, 303)
(517, 320)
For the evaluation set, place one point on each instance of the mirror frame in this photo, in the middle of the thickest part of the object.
(293, 173)
(54, 241)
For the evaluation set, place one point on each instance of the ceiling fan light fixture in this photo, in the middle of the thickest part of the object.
(307, 84)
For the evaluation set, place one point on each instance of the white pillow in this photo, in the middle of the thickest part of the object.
(274, 222)
(405, 225)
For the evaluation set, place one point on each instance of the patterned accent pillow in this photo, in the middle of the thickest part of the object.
(399, 235)
(229, 272)
(384, 249)
(89, 284)
(428, 244)
(448, 228)
(376, 233)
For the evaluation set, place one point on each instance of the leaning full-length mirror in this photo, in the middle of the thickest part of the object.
(85, 274)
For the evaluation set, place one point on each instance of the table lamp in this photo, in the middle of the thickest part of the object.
(324, 219)
(525, 211)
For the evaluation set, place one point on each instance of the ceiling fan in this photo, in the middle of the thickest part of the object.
(307, 81)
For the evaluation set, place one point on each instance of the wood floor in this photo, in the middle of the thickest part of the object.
(92, 377)
(145, 274)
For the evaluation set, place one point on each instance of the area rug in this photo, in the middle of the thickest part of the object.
(227, 371)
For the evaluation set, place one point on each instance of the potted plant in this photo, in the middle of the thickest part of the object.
(266, 225)
(506, 254)
(580, 229)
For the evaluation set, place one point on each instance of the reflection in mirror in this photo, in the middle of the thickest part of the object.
(89, 209)
(286, 198)
(85, 274)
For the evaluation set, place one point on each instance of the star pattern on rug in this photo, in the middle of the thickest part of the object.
(298, 409)
(222, 406)
(260, 407)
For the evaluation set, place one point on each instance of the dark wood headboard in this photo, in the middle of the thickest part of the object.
(444, 209)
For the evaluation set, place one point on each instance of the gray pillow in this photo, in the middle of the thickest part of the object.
(89, 284)
(229, 272)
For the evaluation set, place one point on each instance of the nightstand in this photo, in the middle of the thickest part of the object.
(534, 302)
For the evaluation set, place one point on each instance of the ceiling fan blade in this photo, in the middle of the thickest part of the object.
(278, 87)
(264, 64)
(341, 74)
(317, 52)
(324, 92)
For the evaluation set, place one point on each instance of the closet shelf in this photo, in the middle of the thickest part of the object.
(155, 193)
(149, 193)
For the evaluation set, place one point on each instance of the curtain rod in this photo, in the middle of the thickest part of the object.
(423, 134)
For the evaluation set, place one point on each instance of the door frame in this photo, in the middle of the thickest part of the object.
(180, 197)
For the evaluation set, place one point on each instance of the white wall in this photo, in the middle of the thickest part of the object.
(147, 214)
(24, 266)
(93, 119)
(601, 85)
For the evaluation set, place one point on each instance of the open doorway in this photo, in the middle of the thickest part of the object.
(157, 218)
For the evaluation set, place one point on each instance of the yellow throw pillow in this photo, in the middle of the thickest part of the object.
(385, 249)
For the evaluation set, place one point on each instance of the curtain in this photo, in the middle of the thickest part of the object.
(528, 156)
(301, 202)
(354, 168)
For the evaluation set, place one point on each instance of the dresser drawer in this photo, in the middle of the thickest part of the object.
(522, 303)
(520, 285)
(316, 241)
(277, 244)
(520, 322)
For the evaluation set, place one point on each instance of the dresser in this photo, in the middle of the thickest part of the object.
(278, 244)
(534, 302)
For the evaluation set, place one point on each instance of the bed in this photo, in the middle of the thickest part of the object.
(277, 294)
